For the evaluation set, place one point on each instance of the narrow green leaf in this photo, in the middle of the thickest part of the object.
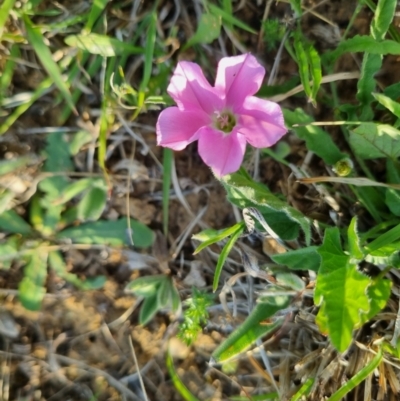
(149, 53)
(317, 140)
(148, 310)
(176, 380)
(304, 390)
(224, 254)
(210, 236)
(384, 239)
(208, 30)
(168, 156)
(342, 289)
(103, 45)
(315, 68)
(251, 329)
(98, 7)
(109, 233)
(366, 44)
(76, 188)
(8, 70)
(92, 205)
(299, 259)
(5, 9)
(35, 38)
(40, 91)
(146, 286)
(371, 141)
(31, 288)
(230, 18)
(383, 17)
(387, 102)
(302, 62)
(358, 378)
(7, 248)
(12, 222)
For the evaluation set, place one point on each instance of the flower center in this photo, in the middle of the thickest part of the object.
(224, 121)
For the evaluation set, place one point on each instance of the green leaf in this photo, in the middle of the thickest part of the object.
(383, 17)
(358, 378)
(229, 18)
(211, 236)
(5, 9)
(35, 38)
(176, 380)
(8, 248)
(392, 200)
(355, 250)
(299, 259)
(78, 140)
(31, 288)
(372, 141)
(378, 293)
(224, 254)
(77, 187)
(113, 233)
(342, 289)
(366, 44)
(302, 62)
(317, 140)
(149, 309)
(251, 329)
(384, 239)
(101, 44)
(92, 205)
(12, 222)
(387, 102)
(146, 286)
(244, 192)
(98, 7)
(208, 30)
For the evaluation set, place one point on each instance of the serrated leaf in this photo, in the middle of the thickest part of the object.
(317, 140)
(371, 141)
(251, 329)
(115, 233)
(31, 288)
(244, 192)
(366, 44)
(101, 44)
(208, 30)
(355, 250)
(299, 259)
(342, 289)
(92, 205)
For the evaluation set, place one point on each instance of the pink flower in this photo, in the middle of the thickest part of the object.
(222, 118)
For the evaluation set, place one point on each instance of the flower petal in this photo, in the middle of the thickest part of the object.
(177, 128)
(223, 153)
(191, 90)
(261, 122)
(239, 77)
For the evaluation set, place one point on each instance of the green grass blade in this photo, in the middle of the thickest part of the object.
(41, 90)
(5, 9)
(357, 378)
(302, 62)
(251, 329)
(167, 164)
(384, 239)
(98, 7)
(8, 71)
(224, 254)
(176, 380)
(304, 390)
(35, 38)
(230, 19)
